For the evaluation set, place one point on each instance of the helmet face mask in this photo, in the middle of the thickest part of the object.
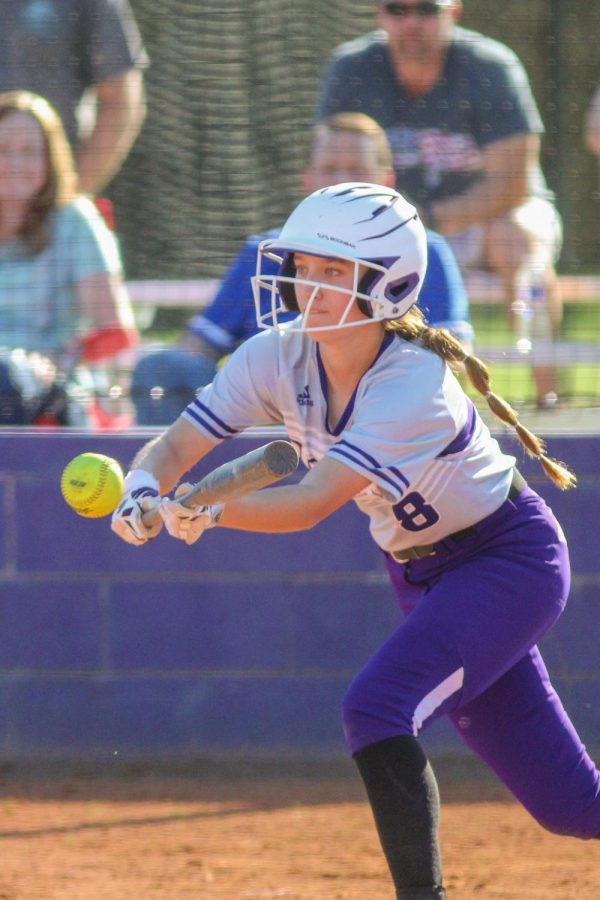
(370, 226)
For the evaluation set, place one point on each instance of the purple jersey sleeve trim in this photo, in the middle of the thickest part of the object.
(399, 482)
(206, 425)
(202, 414)
(371, 470)
(463, 438)
(374, 464)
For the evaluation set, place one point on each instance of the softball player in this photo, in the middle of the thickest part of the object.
(478, 562)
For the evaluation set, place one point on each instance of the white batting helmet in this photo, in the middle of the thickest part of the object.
(368, 224)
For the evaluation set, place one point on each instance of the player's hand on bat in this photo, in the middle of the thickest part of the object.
(140, 496)
(188, 523)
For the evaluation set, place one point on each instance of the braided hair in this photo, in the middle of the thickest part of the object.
(413, 327)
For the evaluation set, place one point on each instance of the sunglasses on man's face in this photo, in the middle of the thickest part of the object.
(425, 9)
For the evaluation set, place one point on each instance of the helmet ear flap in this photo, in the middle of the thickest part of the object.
(285, 288)
(365, 286)
(394, 292)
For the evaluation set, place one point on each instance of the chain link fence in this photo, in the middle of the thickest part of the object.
(231, 93)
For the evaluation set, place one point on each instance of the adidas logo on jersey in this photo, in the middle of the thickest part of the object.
(303, 399)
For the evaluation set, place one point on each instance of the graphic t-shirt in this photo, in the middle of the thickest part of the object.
(482, 96)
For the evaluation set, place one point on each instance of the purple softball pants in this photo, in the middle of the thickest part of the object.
(474, 613)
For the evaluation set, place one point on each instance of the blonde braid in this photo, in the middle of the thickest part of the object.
(441, 342)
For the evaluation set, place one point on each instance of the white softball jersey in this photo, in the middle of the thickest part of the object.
(409, 428)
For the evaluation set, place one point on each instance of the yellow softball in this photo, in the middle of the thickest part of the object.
(92, 484)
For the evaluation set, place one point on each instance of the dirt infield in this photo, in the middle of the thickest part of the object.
(234, 835)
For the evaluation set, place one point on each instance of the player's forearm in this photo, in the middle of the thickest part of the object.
(169, 456)
(276, 510)
(296, 507)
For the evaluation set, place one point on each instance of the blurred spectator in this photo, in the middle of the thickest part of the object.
(346, 147)
(464, 129)
(65, 49)
(592, 124)
(62, 300)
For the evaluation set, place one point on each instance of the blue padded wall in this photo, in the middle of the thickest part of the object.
(240, 643)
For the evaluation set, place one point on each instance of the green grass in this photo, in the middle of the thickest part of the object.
(579, 383)
(581, 322)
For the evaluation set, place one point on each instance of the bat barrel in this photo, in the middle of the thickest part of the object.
(281, 458)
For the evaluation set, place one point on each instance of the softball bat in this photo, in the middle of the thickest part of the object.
(244, 475)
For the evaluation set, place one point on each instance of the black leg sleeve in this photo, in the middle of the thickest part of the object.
(404, 798)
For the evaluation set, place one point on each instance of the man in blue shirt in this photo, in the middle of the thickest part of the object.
(345, 147)
(464, 130)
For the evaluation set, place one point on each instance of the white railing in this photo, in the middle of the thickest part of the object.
(196, 294)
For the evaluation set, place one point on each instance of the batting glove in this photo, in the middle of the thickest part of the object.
(188, 523)
(140, 496)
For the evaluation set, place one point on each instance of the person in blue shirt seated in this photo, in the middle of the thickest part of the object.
(345, 147)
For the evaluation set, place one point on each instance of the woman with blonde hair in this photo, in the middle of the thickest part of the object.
(62, 299)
